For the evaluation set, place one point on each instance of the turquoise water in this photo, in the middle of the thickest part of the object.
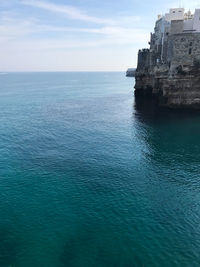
(89, 177)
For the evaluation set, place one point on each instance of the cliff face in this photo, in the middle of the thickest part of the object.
(177, 88)
(170, 69)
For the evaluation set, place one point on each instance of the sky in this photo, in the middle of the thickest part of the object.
(77, 35)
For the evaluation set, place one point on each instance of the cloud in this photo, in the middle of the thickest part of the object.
(27, 42)
(13, 27)
(77, 14)
(70, 11)
(26, 30)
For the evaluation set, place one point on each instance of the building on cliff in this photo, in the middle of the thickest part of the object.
(170, 68)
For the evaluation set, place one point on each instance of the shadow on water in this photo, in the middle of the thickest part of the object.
(78, 250)
(94, 245)
(148, 111)
(9, 248)
(171, 138)
(171, 152)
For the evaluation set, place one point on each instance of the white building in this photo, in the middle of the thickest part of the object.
(175, 14)
(190, 22)
(177, 21)
(196, 20)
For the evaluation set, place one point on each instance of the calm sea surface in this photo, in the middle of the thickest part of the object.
(89, 177)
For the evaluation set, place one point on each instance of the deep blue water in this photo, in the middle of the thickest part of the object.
(89, 177)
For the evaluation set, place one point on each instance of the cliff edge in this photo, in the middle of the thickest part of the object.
(170, 69)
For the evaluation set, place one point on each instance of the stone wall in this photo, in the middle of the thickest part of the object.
(143, 60)
(176, 26)
(175, 81)
(185, 48)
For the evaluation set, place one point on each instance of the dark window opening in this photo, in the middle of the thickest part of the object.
(190, 51)
(190, 43)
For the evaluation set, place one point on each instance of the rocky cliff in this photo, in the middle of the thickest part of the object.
(170, 69)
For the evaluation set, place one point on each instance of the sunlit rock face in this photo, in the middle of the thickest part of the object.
(170, 69)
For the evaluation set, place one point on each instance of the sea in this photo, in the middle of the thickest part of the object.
(91, 177)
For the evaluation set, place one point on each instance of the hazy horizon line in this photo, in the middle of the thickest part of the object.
(34, 71)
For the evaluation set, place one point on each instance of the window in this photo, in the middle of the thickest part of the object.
(190, 43)
(190, 51)
(173, 11)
